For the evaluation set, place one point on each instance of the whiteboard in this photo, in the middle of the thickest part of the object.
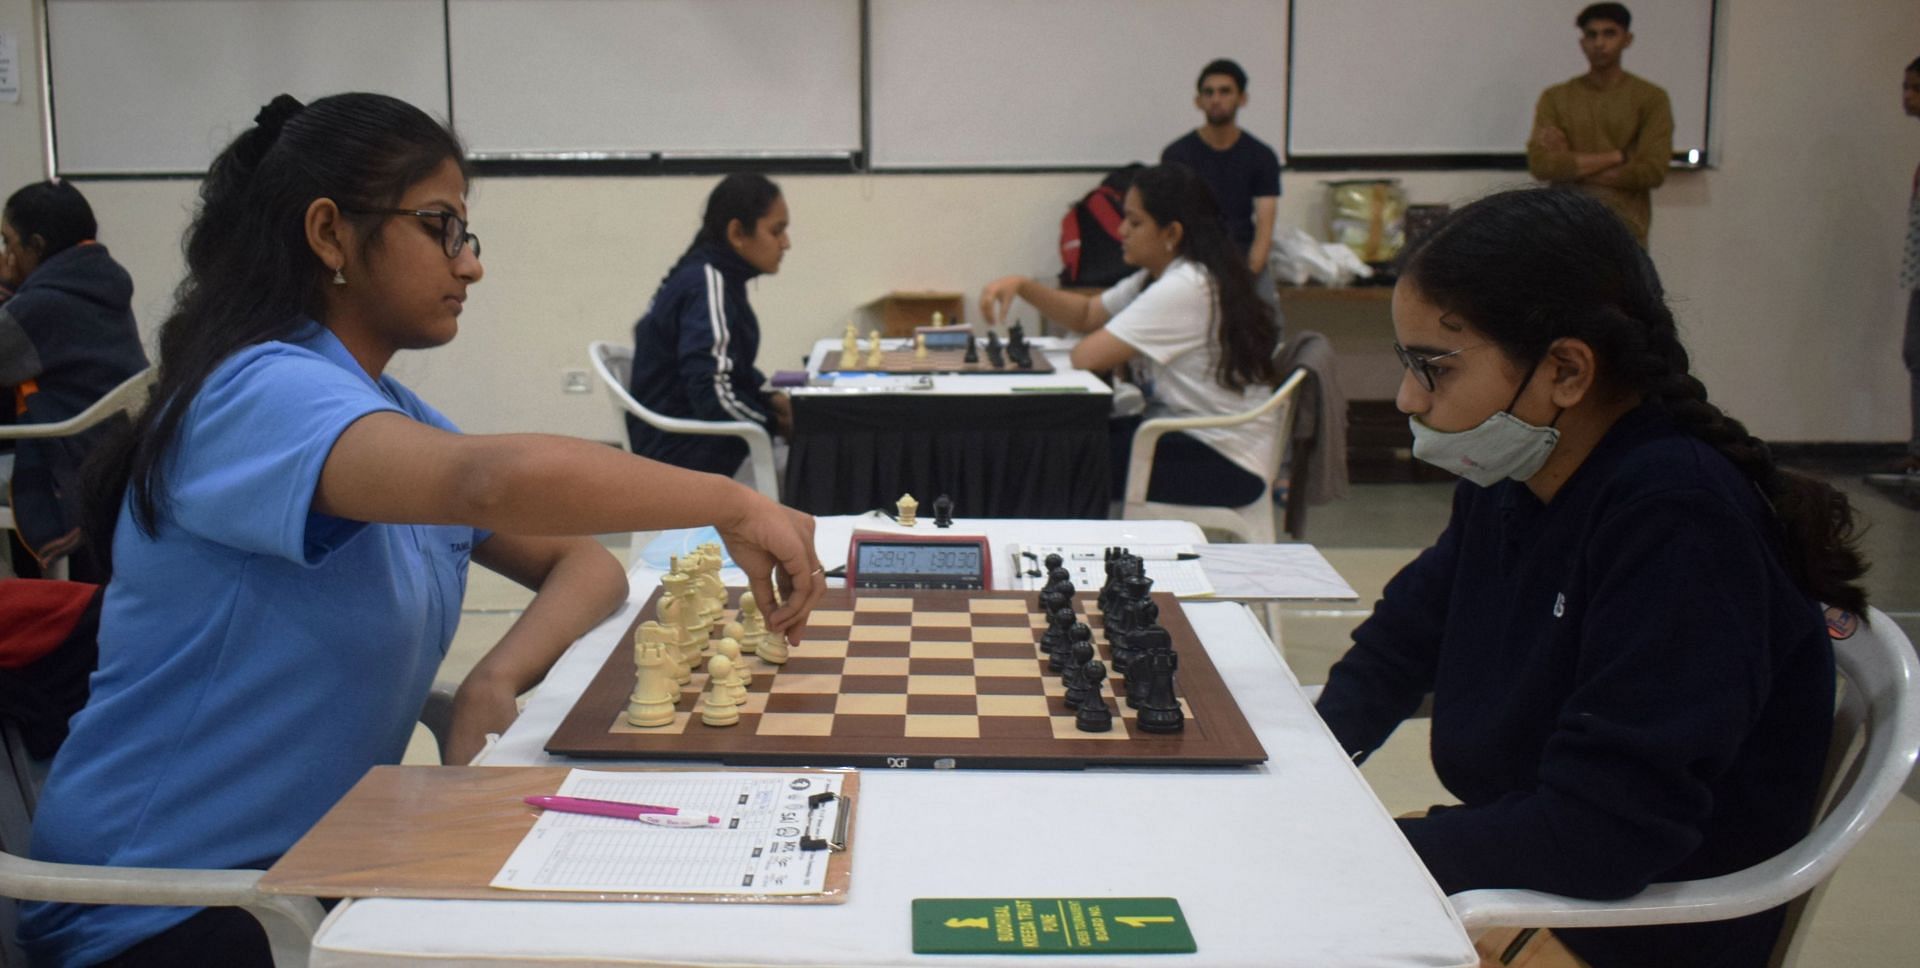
(160, 86)
(1062, 83)
(558, 78)
(1387, 77)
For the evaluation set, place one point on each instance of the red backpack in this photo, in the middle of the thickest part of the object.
(1090, 234)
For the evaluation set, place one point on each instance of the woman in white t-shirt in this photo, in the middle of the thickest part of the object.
(1196, 337)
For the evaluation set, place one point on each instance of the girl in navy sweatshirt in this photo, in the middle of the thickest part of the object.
(694, 350)
(67, 338)
(1621, 625)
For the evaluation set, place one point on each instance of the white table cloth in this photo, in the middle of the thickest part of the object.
(1291, 863)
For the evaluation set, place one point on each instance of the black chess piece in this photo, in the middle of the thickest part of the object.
(1161, 712)
(1059, 647)
(943, 512)
(1016, 335)
(1093, 715)
(973, 351)
(996, 356)
(1054, 561)
(1074, 676)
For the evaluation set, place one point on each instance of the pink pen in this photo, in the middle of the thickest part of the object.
(643, 812)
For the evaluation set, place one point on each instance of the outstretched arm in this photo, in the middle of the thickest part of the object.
(389, 468)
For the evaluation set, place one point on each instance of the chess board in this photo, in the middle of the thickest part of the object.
(928, 678)
(903, 362)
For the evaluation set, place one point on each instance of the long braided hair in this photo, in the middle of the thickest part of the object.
(1532, 266)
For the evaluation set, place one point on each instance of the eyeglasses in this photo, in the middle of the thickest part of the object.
(454, 236)
(1422, 368)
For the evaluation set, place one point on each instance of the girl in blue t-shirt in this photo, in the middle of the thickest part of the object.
(1621, 625)
(291, 528)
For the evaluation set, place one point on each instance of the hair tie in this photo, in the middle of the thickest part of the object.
(274, 116)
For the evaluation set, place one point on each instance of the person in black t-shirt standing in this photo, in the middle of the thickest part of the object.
(1242, 170)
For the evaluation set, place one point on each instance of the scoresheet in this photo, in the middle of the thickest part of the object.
(755, 849)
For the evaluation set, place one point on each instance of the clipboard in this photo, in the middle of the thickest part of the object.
(445, 831)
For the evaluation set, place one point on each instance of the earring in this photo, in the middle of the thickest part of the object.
(339, 277)
(1169, 246)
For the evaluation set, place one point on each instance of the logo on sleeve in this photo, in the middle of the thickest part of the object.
(460, 546)
(1559, 604)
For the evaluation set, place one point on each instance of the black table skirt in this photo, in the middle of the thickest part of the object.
(1039, 455)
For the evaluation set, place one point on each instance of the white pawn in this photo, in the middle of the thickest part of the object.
(654, 691)
(718, 707)
(738, 633)
(850, 348)
(741, 674)
(753, 635)
(874, 359)
(919, 346)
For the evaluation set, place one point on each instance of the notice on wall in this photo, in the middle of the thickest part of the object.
(9, 68)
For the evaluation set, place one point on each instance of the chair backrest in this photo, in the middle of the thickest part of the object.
(613, 363)
(1879, 668)
(129, 397)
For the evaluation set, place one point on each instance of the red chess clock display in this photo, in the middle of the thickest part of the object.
(884, 560)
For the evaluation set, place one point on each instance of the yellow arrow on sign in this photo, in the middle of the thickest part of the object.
(1143, 922)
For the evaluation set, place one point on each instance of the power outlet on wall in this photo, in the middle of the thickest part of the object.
(575, 381)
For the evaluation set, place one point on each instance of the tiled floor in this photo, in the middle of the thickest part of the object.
(1866, 916)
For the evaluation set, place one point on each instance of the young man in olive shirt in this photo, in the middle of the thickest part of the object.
(1607, 132)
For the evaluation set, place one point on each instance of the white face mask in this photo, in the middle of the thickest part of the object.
(1503, 446)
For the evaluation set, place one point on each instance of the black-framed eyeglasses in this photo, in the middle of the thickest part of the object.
(454, 236)
(1422, 368)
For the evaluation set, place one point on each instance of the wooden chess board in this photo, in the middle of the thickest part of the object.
(927, 678)
(938, 361)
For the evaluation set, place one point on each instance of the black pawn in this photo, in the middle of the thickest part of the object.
(1161, 712)
(1074, 677)
(1093, 715)
(996, 356)
(1054, 561)
(973, 351)
(1059, 646)
(943, 512)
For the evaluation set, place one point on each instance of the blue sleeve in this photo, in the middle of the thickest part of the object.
(1391, 667)
(706, 363)
(251, 449)
(1673, 673)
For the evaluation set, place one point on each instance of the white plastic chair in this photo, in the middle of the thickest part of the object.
(290, 921)
(1878, 704)
(614, 364)
(1252, 523)
(126, 398)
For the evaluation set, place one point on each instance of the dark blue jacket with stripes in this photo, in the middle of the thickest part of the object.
(693, 354)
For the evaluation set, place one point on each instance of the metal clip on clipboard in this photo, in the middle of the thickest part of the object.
(843, 816)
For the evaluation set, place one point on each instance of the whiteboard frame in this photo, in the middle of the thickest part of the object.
(1685, 158)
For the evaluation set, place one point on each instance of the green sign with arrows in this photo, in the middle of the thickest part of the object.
(1050, 925)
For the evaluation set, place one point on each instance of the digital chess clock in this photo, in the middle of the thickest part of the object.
(884, 560)
(944, 337)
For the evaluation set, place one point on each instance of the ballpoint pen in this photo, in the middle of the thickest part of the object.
(644, 812)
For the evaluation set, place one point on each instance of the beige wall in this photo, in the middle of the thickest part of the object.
(1782, 262)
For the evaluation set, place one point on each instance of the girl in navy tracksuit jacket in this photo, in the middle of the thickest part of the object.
(1621, 626)
(694, 350)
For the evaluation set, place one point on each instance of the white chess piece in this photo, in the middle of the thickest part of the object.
(738, 632)
(717, 707)
(874, 359)
(753, 635)
(850, 348)
(741, 674)
(907, 507)
(654, 690)
(920, 346)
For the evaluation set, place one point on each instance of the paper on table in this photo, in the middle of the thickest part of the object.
(1086, 564)
(754, 850)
